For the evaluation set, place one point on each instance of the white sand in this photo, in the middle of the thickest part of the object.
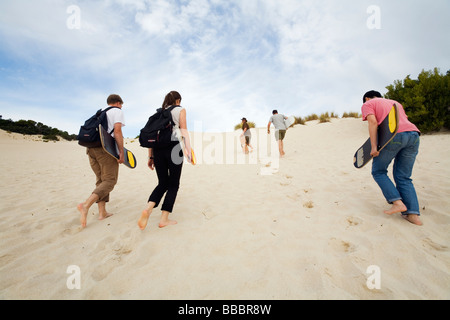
(310, 230)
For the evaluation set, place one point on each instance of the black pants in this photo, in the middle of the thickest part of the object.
(168, 165)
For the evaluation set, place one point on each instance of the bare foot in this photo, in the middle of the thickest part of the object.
(413, 218)
(84, 213)
(142, 223)
(397, 207)
(104, 216)
(166, 223)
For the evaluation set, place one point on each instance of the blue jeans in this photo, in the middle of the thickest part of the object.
(404, 149)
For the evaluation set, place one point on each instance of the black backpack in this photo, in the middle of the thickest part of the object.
(89, 135)
(157, 133)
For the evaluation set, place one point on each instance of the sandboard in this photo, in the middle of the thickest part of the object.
(289, 121)
(386, 132)
(191, 158)
(110, 146)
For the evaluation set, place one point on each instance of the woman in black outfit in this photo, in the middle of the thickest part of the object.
(168, 166)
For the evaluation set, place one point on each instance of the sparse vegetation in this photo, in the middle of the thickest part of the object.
(239, 126)
(351, 115)
(30, 127)
(312, 117)
(324, 117)
(299, 120)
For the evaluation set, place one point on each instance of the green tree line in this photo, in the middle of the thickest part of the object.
(426, 100)
(31, 127)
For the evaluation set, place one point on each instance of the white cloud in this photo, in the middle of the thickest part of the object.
(172, 18)
(228, 59)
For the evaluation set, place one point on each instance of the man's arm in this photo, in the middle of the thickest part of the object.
(373, 133)
(118, 135)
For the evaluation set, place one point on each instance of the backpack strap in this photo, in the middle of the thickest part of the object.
(170, 110)
(106, 110)
(109, 108)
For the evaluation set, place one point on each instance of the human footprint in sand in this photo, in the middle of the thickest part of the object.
(168, 163)
(403, 149)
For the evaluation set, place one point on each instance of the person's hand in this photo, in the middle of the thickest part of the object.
(151, 164)
(121, 158)
(374, 153)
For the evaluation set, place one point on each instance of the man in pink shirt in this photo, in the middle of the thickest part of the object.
(403, 149)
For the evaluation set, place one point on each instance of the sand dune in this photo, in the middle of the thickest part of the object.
(308, 226)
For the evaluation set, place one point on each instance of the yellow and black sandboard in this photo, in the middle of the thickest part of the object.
(190, 157)
(110, 146)
(386, 132)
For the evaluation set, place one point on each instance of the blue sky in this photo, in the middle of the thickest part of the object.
(228, 59)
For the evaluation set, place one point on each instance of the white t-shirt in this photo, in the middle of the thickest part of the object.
(176, 119)
(114, 115)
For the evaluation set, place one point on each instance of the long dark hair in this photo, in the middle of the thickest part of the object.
(170, 99)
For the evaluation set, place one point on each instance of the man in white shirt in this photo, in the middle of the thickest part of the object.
(105, 167)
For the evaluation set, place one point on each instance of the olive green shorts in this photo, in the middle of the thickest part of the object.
(280, 134)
